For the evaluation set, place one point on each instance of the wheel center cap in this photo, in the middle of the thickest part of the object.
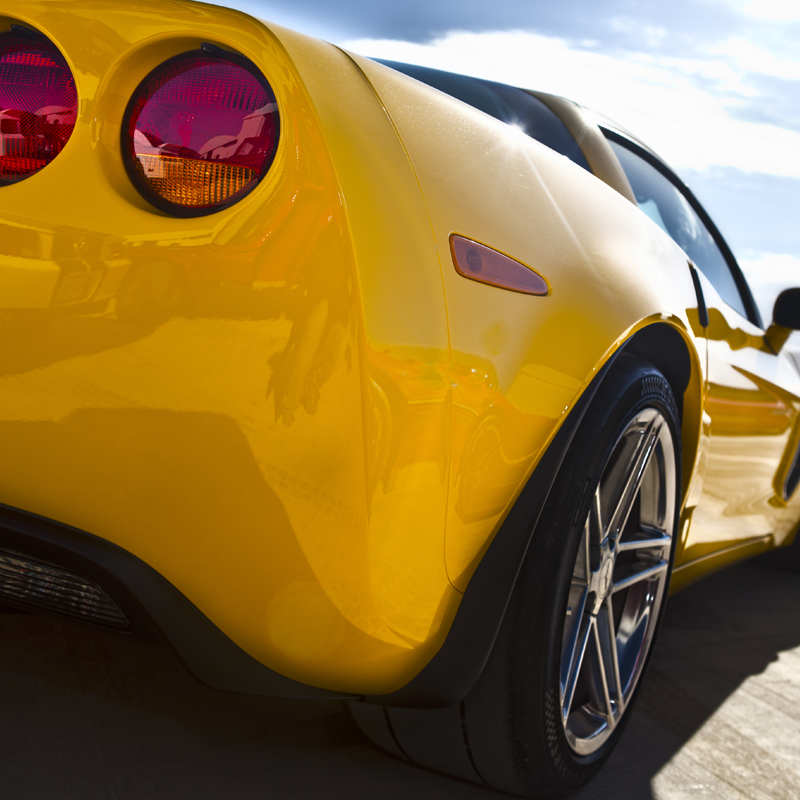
(606, 576)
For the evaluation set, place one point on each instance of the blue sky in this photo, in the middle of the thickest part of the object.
(712, 85)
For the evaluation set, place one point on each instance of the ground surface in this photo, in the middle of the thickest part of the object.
(87, 716)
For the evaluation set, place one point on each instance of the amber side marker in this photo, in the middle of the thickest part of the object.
(481, 263)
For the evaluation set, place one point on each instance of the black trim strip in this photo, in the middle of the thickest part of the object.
(702, 309)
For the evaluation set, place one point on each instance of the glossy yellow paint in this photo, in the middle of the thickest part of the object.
(213, 394)
(519, 362)
(405, 390)
(750, 440)
(295, 409)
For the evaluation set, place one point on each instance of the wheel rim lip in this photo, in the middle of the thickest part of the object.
(587, 727)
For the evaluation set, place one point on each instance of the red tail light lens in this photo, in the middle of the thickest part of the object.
(200, 132)
(38, 105)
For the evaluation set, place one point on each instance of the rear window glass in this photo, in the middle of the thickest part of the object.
(506, 103)
(666, 205)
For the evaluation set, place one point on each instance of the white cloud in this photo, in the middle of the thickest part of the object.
(652, 35)
(776, 10)
(717, 70)
(768, 275)
(656, 98)
(752, 58)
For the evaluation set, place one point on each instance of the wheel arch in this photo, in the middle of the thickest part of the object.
(455, 668)
(667, 349)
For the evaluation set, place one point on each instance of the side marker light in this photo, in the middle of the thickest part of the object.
(481, 263)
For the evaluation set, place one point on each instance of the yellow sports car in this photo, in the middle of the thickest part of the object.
(348, 383)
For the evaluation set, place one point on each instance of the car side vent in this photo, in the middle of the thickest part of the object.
(39, 586)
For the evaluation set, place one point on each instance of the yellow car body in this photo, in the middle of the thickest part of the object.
(295, 411)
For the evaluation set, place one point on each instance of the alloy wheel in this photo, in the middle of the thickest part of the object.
(618, 582)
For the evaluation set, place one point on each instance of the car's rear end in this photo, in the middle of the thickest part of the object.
(246, 400)
(186, 322)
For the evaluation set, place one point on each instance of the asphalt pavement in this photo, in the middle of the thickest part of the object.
(89, 716)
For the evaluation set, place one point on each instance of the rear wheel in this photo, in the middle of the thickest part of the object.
(560, 683)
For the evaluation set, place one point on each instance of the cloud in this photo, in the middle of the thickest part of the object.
(749, 57)
(663, 100)
(642, 32)
(768, 276)
(616, 25)
(775, 10)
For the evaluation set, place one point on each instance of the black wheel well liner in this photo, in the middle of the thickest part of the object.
(665, 349)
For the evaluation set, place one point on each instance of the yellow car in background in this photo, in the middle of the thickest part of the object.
(349, 383)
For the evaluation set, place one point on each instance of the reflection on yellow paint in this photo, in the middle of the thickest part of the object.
(496, 439)
(406, 424)
(254, 407)
(720, 330)
(748, 412)
(318, 342)
(749, 444)
(407, 419)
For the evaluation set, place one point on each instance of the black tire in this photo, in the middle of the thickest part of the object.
(510, 733)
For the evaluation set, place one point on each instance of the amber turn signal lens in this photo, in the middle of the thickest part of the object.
(187, 182)
(481, 263)
(38, 104)
(200, 132)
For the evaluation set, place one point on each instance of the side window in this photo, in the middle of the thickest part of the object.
(666, 205)
(506, 103)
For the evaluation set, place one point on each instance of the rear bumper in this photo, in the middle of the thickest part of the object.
(148, 604)
(151, 606)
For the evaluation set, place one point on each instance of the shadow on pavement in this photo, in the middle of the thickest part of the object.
(86, 715)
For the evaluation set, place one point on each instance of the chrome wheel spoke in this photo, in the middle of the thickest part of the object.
(641, 572)
(573, 631)
(607, 638)
(638, 464)
(604, 701)
(572, 661)
(645, 539)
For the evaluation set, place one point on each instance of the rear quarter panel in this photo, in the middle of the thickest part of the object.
(520, 362)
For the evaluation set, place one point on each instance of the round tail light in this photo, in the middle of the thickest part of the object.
(200, 132)
(38, 104)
